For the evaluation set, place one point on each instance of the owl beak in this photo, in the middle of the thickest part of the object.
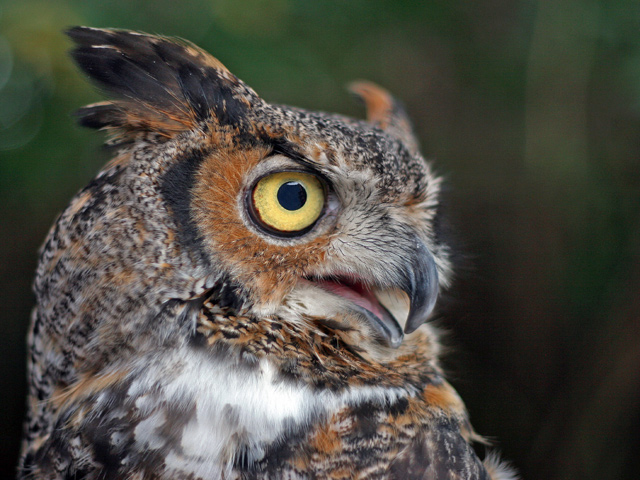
(420, 283)
(418, 278)
(386, 326)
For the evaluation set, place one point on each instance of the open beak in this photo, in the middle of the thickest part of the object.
(417, 277)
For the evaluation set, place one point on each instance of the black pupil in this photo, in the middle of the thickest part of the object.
(292, 196)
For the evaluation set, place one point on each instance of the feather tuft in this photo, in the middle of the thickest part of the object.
(159, 85)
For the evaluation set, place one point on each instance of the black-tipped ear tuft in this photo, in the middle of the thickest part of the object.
(159, 84)
(100, 115)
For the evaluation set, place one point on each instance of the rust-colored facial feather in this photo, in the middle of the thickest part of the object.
(267, 270)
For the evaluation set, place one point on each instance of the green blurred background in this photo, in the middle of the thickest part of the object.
(531, 108)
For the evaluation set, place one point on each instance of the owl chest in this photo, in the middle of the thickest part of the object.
(214, 415)
(209, 411)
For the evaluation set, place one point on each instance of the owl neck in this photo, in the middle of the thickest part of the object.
(232, 407)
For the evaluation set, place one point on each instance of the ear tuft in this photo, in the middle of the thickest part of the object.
(385, 112)
(160, 85)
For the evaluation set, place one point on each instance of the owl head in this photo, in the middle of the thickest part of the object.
(313, 217)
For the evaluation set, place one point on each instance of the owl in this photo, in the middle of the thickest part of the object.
(241, 292)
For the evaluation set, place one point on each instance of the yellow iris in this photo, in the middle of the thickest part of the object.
(288, 201)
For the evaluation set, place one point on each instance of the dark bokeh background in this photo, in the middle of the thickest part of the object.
(530, 107)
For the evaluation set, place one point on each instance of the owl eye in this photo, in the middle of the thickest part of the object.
(287, 203)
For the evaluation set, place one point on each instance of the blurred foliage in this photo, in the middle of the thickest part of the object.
(531, 108)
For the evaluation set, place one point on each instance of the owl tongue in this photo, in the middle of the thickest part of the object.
(358, 293)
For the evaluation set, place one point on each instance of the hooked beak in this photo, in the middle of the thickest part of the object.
(420, 283)
(417, 277)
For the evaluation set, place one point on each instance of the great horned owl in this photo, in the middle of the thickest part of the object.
(241, 292)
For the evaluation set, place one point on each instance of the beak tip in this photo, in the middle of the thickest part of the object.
(396, 342)
(417, 318)
(410, 329)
